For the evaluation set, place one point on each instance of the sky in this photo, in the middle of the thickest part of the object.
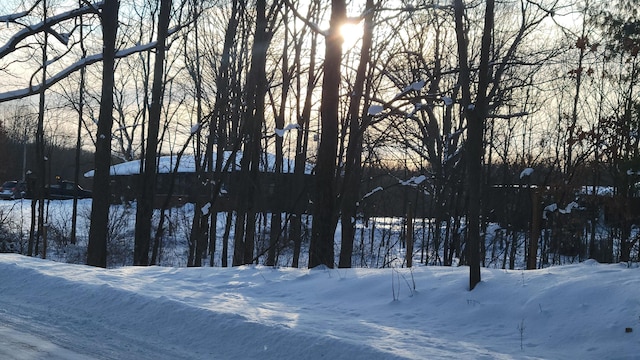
(52, 310)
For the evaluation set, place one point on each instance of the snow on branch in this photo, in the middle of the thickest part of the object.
(281, 132)
(416, 86)
(447, 100)
(375, 110)
(567, 210)
(45, 25)
(13, 17)
(414, 181)
(373, 191)
(526, 172)
(35, 89)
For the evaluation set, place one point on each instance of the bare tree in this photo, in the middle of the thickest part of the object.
(352, 165)
(144, 210)
(304, 106)
(97, 248)
(491, 90)
(321, 250)
(253, 121)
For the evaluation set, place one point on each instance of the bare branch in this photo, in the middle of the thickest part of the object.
(14, 17)
(45, 25)
(35, 89)
(309, 23)
(507, 116)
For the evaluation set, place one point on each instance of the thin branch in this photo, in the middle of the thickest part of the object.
(507, 116)
(35, 89)
(45, 25)
(309, 23)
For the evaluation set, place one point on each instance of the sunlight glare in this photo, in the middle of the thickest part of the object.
(351, 34)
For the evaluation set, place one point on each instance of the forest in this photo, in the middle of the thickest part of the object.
(491, 129)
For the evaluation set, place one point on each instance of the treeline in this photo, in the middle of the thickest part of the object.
(17, 159)
(460, 96)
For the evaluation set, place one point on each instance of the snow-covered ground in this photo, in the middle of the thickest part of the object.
(51, 310)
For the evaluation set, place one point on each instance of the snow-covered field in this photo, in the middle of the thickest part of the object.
(51, 310)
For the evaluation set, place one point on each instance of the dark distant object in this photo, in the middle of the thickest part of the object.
(13, 190)
(63, 190)
(628, 330)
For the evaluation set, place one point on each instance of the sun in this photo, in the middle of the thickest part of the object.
(351, 33)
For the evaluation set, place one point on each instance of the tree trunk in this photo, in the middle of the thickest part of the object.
(475, 115)
(40, 163)
(200, 221)
(148, 183)
(224, 262)
(97, 248)
(256, 90)
(409, 236)
(76, 172)
(276, 216)
(351, 184)
(321, 250)
(302, 142)
(536, 222)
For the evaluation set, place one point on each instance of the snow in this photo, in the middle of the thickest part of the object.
(415, 180)
(375, 110)
(167, 163)
(570, 206)
(281, 132)
(416, 86)
(526, 172)
(64, 73)
(447, 101)
(373, 191)
(567, 210)
(597, 190)
(549, 208)
(205, 209)
(416, 107)
(53, 310)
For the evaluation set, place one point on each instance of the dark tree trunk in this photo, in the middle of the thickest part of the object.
(76, 172)
(224, 262)
(200, 221)
(475, 114)
(97, 247)
(148, 182)
(238, 239)
(536, 223)
(351, 183)
(276, 216)
(321, 250)
(256, 90)
(218, 135)
(40, 164)
(302, 141)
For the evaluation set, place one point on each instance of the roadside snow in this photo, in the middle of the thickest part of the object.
(51, 310)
